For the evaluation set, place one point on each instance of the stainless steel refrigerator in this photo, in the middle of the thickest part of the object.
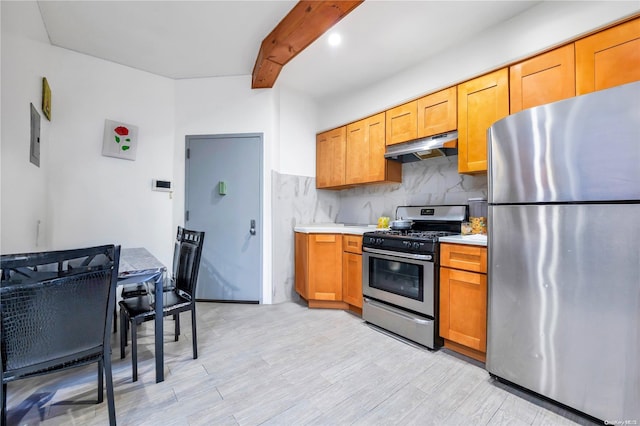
(564, 252)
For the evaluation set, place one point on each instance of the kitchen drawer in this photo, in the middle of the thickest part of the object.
(352, 243)
(465, 257)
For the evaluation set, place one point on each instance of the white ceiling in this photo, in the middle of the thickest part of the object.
(191, 39)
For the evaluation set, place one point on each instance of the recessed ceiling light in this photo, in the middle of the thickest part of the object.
(335, 39)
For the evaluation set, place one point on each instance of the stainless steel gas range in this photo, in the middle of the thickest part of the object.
(400, 272)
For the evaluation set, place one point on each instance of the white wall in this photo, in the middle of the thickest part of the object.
(297, 142)
(81, 197)
(23, 185)
(221, 106)
(544, 26)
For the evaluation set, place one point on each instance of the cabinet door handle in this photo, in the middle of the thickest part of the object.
(252, 229)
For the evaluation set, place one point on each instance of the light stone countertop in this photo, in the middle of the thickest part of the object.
(476, 240)
(333, 228)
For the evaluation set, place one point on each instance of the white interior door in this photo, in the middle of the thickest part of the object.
(224, 199)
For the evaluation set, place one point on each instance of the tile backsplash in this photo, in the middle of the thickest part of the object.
(295, 200)
(433, 181)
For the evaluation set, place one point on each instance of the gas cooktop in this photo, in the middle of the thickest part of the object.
(429, 223)
(414, 234)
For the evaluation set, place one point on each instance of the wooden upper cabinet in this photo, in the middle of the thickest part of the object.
(542, 79)
(438, 113)
(481, 102)
(365, 153)
(402, 123)
(608, 58)
(330, 158)
(362, 140)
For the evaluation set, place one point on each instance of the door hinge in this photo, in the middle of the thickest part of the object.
(188, 153)
(186, 215)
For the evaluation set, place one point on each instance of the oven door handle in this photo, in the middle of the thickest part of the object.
(398, 254)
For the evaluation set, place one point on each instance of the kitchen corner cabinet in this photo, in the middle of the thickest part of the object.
(463, 299)
(318, 268)
(545, 78)
(352, 271)
(608, 58)
(481, 102)
(331, 157)
(365, 147)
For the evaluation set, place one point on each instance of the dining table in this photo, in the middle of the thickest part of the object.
(138, 265)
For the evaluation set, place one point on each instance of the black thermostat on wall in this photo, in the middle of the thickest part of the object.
(161, 185)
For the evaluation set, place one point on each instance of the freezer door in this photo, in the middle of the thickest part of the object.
(564, 304)
(585, 148)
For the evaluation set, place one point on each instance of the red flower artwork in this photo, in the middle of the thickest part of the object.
(121, 130)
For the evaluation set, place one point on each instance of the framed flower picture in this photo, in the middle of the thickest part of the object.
(120, 140)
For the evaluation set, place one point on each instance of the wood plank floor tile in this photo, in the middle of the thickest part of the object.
(285, 365)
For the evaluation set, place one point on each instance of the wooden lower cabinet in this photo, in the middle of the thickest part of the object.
(463, 299)
(301, 268)
(318, 269)
(352, 271)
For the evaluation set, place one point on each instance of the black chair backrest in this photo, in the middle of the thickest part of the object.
(56, 307)
(187, 264)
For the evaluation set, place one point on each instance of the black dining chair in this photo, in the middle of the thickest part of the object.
(129, 291)
(56, 310)
(179, 296)
(141, 289)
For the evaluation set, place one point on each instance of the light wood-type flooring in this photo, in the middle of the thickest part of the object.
(284, 364)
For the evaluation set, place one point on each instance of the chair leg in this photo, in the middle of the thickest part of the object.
(176, 319)
(125, 329)
(123, 334)
(110, 395)
(194, 334)
(100, 382)
(115, 320)
(3, 414)
(134, 350)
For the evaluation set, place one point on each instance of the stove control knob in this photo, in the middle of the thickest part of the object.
(406, 244)
(416, 245)
(379, 240)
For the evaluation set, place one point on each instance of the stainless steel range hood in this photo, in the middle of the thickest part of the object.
(422, 149)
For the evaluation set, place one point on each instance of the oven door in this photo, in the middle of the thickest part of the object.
(401, 279)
